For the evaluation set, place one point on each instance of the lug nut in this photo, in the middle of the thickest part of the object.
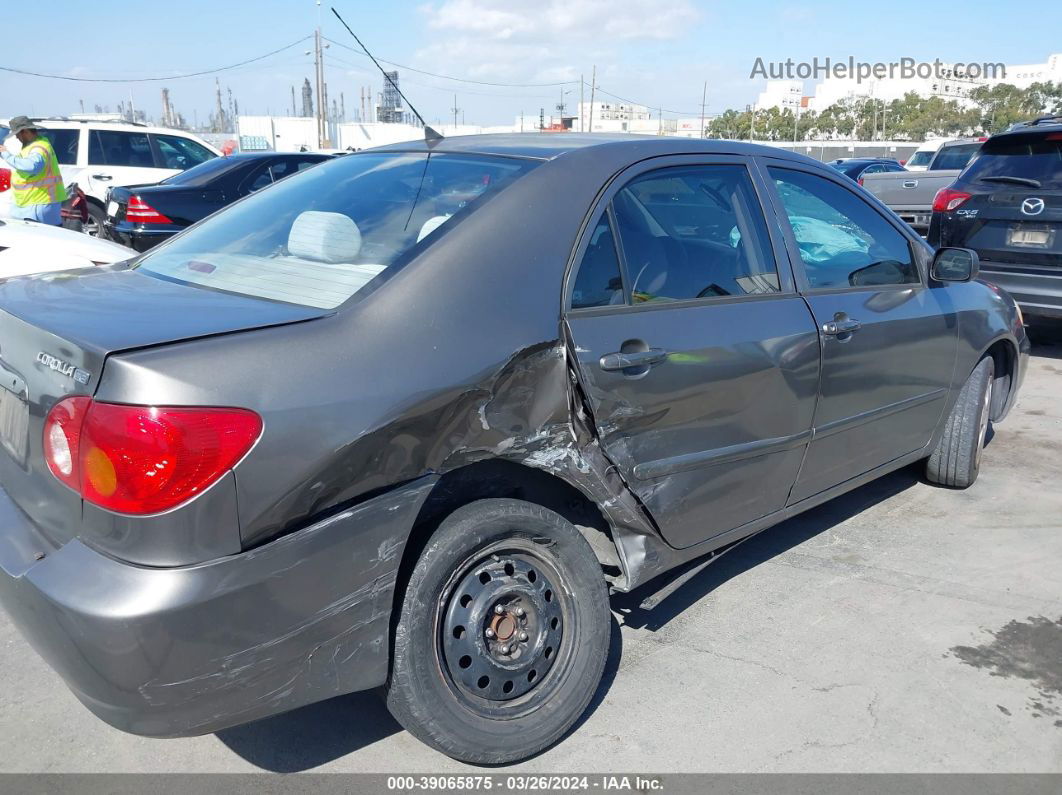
(523, 636)
(489, 633)
(520, 612)
(498, 609)
(504, 649)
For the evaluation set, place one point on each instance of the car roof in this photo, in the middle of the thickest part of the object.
(105, 124)
(549, 145)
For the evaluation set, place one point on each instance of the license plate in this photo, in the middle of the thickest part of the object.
(14, 424)
(1030, 236)
(112, 209)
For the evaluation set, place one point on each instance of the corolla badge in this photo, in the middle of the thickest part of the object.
(63, 368)
(1033, 206)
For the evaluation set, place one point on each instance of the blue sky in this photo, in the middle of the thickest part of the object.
(656, 52)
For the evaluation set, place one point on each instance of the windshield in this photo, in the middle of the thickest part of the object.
(317, 238)
(954, 156)
(198, 176)
(920, 158)
(1032, 156)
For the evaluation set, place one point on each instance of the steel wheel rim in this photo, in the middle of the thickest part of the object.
(504, 661)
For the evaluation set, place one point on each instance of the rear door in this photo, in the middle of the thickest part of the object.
(698, 358)
(118, 158)
(888, 341)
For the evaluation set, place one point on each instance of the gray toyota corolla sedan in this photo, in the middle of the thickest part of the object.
(406, 419)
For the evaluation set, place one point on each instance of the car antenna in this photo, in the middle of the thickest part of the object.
(431, 135)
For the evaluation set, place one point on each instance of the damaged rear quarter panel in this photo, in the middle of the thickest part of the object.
(456, 358)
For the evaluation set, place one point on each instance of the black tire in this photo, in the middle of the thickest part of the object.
(495, 698)
(957, 458)
(94, 226)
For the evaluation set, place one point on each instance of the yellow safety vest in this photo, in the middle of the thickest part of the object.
(44, 187)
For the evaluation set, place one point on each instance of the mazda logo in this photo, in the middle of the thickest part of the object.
(1033, 206)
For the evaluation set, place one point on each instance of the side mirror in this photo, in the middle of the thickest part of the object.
(955, 265)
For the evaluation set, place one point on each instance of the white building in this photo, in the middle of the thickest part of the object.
(781, 94)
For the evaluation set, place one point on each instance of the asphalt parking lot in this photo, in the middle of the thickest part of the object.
(901, 628)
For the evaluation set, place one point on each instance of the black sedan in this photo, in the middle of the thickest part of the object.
(855, 168)
(142, 216)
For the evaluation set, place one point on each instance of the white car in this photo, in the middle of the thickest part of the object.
(98, 155)
(923, 155)
(29, 247)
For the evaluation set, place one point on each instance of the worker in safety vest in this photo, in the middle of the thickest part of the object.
(36, 182)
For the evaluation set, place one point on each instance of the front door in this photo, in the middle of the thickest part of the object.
(699, 359)
(888, 340)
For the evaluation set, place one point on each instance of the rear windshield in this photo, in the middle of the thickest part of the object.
(198, 176)
(1034, 156)
(955, 156)
(921, 158)
(317, 238)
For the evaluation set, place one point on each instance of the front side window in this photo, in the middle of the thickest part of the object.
(116, 148)
(843, 241)
(694, 232)
(181, 153)
(318, 238)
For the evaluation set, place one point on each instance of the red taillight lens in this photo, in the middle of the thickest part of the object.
(144, 459)
(5, 179)
(143, 213)
(948, 199)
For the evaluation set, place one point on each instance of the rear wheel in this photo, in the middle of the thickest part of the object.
(502, 635)
(957, 457)
(94, 225)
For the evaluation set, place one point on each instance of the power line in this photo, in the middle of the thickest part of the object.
(152, 79)
(457, 79)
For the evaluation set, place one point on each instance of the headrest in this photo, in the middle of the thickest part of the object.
(324, 237)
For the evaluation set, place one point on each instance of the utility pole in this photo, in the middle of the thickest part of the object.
(593, 87)
(582, 120)
(293, 112)
(318, 63)
(455, 111)
(704, 96)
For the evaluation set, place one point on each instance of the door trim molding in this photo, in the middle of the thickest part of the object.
(650, 470)
(847, 423)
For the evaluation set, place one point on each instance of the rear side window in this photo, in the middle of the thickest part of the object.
(119, 148)
(318, 238)
(920, 158)
(694, 232)
(955, 156)
(181, 153)
(65, 143)
(843, 241)
(598, 281)
(1036, 157)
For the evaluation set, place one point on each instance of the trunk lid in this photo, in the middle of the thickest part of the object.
(56, 331)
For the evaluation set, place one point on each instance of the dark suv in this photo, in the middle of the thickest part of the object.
(1007, 206)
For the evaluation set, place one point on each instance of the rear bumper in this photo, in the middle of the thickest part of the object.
(1037, 290)
(138, 239)
(185, 651)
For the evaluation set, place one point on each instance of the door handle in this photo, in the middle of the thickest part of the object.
(837, 327)
(103, 177)
(622, 361)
